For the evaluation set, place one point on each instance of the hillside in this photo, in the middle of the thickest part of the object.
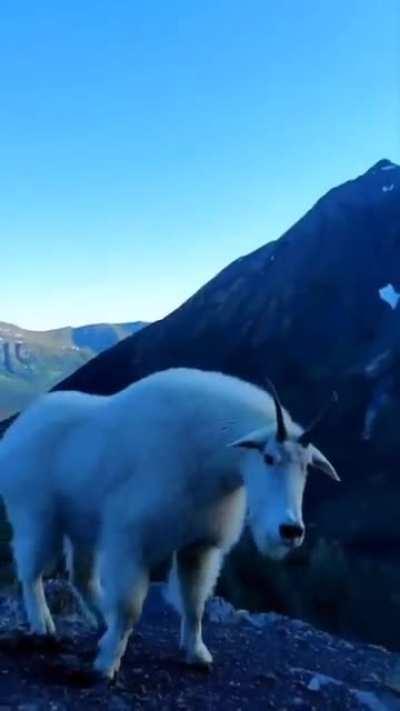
(261, 662)
(33, 361)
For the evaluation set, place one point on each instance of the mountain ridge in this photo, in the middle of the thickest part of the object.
(255, 261)
(33, 361)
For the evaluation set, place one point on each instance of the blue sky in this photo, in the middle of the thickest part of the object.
(145, 145)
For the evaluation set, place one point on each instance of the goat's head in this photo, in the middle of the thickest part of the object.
(274, 465)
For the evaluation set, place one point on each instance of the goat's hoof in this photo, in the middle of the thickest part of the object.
(199, 665)
(199, 658)
(82, 675)
(95, 678)
(105, 674)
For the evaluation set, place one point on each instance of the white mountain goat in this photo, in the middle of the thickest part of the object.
(168, 465)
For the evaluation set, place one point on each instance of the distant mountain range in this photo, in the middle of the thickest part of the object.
(34, 361)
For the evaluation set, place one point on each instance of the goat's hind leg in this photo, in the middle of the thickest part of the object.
(81, 563)
(124, 586)
(35, 548)
(197, 570)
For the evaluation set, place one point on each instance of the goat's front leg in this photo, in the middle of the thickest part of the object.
(38, 613)
(34, 549)
(197, 568)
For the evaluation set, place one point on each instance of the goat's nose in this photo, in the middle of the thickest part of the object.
(291, 531)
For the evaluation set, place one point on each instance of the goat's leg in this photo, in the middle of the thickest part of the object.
(197, 569)
(35, 548)
(124, 585)
(81, 563)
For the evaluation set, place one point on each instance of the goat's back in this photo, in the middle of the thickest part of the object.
(167, 421)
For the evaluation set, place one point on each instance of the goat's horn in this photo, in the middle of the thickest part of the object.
(281, 431)
(307, 435)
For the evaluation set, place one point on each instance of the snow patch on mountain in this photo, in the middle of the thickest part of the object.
(389, 294)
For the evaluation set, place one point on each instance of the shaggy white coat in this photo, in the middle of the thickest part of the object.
(129, 479)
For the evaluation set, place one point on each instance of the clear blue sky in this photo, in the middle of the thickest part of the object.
(145, 145)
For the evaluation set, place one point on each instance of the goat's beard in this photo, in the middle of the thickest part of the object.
(276, 552)
(270, 547)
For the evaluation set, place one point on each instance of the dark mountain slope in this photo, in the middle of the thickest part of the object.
(306, 302)
(306, 311)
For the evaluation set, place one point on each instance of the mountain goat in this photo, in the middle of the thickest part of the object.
(168, 465)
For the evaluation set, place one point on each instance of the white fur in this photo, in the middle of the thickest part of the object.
(130, 479)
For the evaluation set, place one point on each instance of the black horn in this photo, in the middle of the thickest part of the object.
(281, 431)
(306, 437)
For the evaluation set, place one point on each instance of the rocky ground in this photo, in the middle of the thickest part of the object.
(261, 662)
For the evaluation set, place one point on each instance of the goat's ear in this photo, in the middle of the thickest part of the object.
(319, 461)
(254, 440)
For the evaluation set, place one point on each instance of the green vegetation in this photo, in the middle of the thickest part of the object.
(32, 362)
(351, 592)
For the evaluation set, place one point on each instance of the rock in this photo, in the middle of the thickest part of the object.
(370, 701)
(320, 680)
(393, 678)
(219, 610)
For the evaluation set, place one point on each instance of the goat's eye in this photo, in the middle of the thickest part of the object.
(268, 458)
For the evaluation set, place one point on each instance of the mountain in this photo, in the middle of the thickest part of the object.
(33, 361)
(315, 310)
